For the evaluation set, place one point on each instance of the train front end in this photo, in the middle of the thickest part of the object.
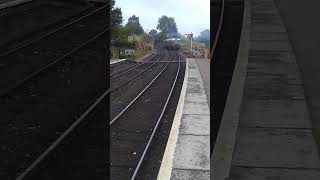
(172, 44)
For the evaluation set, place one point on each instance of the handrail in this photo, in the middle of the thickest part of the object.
(218, 30)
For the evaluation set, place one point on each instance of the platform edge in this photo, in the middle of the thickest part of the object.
(167, 160)
(224, 146)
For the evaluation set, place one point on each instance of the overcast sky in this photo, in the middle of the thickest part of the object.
(190, 15)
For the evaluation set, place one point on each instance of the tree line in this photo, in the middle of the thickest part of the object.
(166, 28)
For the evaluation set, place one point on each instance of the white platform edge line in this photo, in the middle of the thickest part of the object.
(118, 61)
(224, 146)
(13, 3)
(167, 160)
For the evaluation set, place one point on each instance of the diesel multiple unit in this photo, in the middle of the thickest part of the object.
(172, 43)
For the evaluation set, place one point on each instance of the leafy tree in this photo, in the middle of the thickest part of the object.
(116, 15)
(120, 36)
(120, 32)
(153, 32)
(159, 37)
(167, 26)
(134, 26)
(204, 36)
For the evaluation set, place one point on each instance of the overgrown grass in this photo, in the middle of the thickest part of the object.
(115, 53)
(185, 45)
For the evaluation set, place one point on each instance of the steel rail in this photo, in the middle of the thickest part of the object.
(53, 31)
(61, 138)
(33, 74)
(156, 126)
(215, 42)
(130, 79)
(134, 100)
(117, 74)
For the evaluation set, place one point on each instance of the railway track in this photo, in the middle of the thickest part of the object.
(131, 137)
(131, 74)
(48, 84)
(117, 69)
(50, 50)
(121, 66)
(130, 68)
(124, 94)
(77, 148)
(57, 94)
(67, 152)
(43, 17)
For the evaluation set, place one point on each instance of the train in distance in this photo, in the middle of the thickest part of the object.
(172, 44)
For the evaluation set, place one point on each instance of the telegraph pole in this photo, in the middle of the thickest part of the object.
(153, 43)
(191, 42)
(190, 36)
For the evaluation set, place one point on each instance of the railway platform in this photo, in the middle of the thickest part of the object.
(203, 65)
(141, 59)
(113, 61)
(187, 154)
(266, 131)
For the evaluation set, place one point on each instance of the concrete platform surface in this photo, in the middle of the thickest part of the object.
(303, 32)
(189, 154)
(204, 68)
(113, 61)
(192, 154)
(271, 129)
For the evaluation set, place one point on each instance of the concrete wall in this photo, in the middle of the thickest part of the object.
(301, 18)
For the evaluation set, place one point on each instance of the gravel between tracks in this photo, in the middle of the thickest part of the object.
(129, 134)
(122, 97)
(31, 21)
(36, 113)
(126, 65)
(32, 16)
(119, 80)
(85, 151)
(29, 59)
(118, 67)
(152, 161)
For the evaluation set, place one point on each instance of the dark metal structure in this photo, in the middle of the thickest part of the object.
(227, 24)
(74, 1)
